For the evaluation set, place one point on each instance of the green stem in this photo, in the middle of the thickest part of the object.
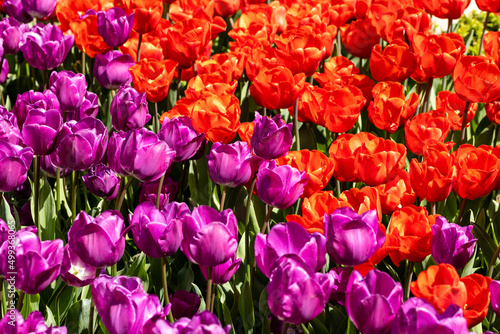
(285, 328)
(425, 104)
(179, 84)
(114, 270)
(296, 123)
(91, 312)
(266, 221)
(58, 191)
(36, 185)
(463, 202)
(164, 262)
(139, 48)
(223, 198)
(157, 121)
(247, 220)
(158, 192)
(209, 289)
(58, 320)
(409, 275)
(339, 44)
(84, 63)
(433, 208)
(73, 194)
(119, 202)
(19, 305)
(485, 26)
(183, 180)
(463, 134)
(492, 262)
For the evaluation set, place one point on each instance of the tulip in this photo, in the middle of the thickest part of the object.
(14, 323)
(231, 165)
(271, 138)
(115, 150)
(289, 238)
(452, 243)
(341, 280)
(441, 286)
(114, 26)
(491, 45)
(46, 47)
(184, 304)
(34, 100)
(70, 89)
(37, 263)
(396, 194)
(296, 294)
(149, 191)
(11, 31)
(102, 181)
(39, 8)
(153, 77)
(89, 108)
(123, 305)
(111, 70)
(4, 71)
(179, 135)
(74, 271)
(485, 76)
(359, 37)
(451, 106)
(158, 233)
(373, 301)
(40, 130)
(493, 111)
(478, 298)
(223, 272)
(15, 8)
(98, 241)
(4, 232)
(395, 63)
(362, 200)
(343, 230)
(87, 37)
(147, 14)
(495, 296)
(419, 316)
(447, 9)
(425, 129)
(210, 237)
(143, 145)
(129, 109)
(203, 322)
(205, 83)
(9, 130)
(280, 186)
(81, 144)
(15, 162)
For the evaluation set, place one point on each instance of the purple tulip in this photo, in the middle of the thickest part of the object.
(34, 100)
(13, 323)
(70, 89)
(115, 26)
(296, 294)
(11, 31)
(204, 322)
(39, 8)
(289, 238)
(98, 241)
(122, 304)
(81, 144)
(4, 71)
(16, 9)
(25, 216)
(280, 186)
(373, 301)
(102, 182)
(46, 47)
(184, 304)
(180, 135)
(451, 243)
(344, 229)
(40, 130)
(271, 138)
(129, 109)
(115, 150)
(111, 69)
(4, 232)
(495, 296)
(210, 237)
(231, 165)
(158, 233)
(37, 263)
(50, 169)
(89, 108)
(419, 316)
(9, 131)
(74, 271)
(169, 190)
(340, 286)
(223, 272)
(15, 161)
(143, 146)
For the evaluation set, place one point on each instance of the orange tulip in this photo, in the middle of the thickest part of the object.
(492, 46)
(446, 9)
(477, 79)
(379, 161)
(147, 14)
(478, 298)
(396, 194)
(412, 22)
(362, 200)
(229, 65)
(150, 47)
(493, 111)
(68, 11)
(426, 129)
(395, 63)
(452, 106)
(441, 286)
(410, 230)
(359, 37)
(209, 84)
(204, 10)
(318, 167)
(245, 131)
(153, 77)
(87, 39)
(491, 6)
(227, 8)
(341, 12)
(343, 151)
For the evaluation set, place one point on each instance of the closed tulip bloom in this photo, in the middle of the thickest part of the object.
(4, 232)
(344, 228)
(491, 6)
(395, 63)
(158, 233)
(451, 106)
(39, 8)
(223, 272)
(9, 130)
(373, 301)
(271, 138)
(396, 194)
(15, 161)
(184, 304)
(122, 303)
(98, 241)
(70, 89)
(289, 238)
(115, 150)
(280, 186)
(81, 144)
(477, 79)
(40, 130)
(111, 70)
(491, 45)
(478, 298)
(179, 134)
(74, 271)
(441, 286)
(15, 9)
(143, 145)
(426, 129)
(114, 26)
(11, 31)
(296, 294)
(447, 9)
(359, 37)
(102, 181)
(495, 296)
(417, 315)
(153, 77)
(231, 165)
(493, 111)
(46, 47)
(203, 322)
(147, 14)
(149, 191)
(37, 263)
(34, 100)
(210, 237)
(129, 109)
(452, 243)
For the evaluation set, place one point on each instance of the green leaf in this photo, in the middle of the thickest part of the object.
(49, 318)
(245, 306)
(469, 267)
(185, 277)
(203, 305)
(78, 317)
(5, 212)
(47, 212)
(227, 317)
(138, 269)
(486, 243)
(318, 326)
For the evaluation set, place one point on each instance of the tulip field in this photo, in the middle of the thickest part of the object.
(249, 166)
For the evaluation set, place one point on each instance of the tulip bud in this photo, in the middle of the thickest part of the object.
(102, 181)
(111, 69)
(129, 109)
(114, 26)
